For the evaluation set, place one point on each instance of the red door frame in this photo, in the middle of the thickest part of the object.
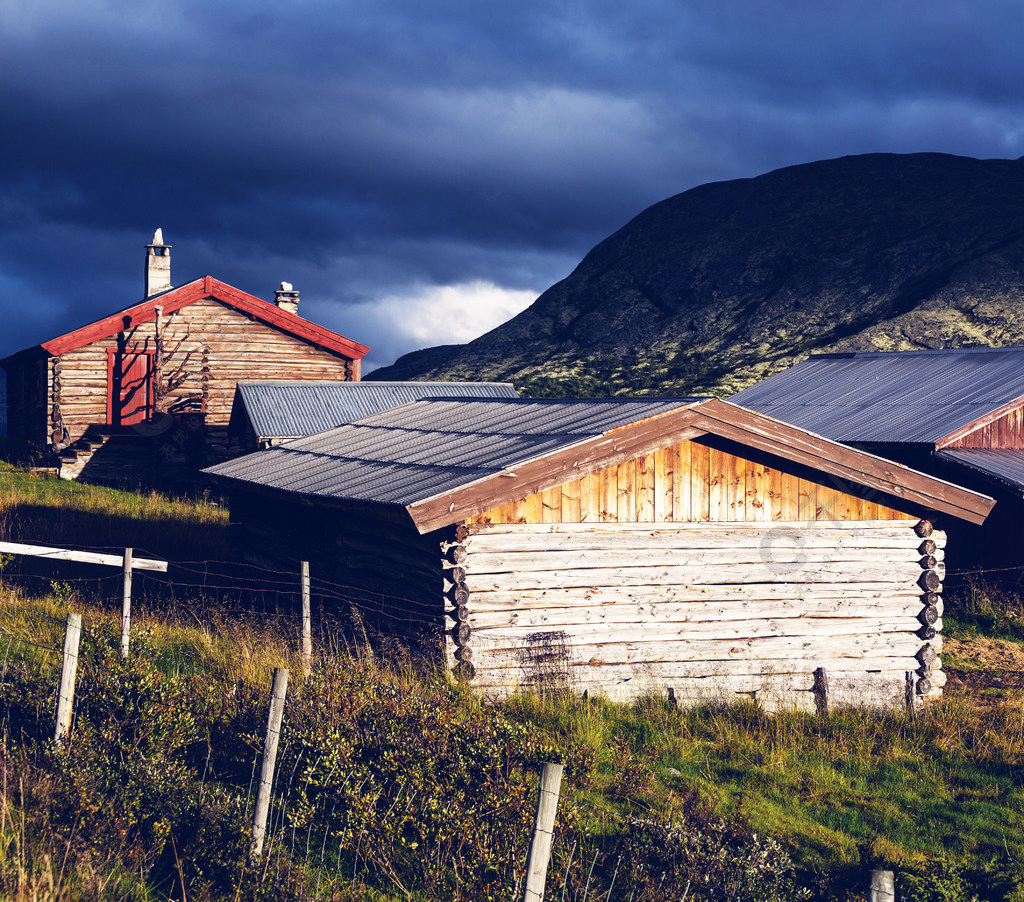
(147, 408)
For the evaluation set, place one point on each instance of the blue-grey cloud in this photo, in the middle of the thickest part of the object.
(370, 152)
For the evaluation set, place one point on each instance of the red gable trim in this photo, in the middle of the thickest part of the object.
(207, 287)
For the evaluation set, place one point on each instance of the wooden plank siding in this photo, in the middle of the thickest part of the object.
(238, 347)
(1005, 431)
(690, 482)
(710, 612)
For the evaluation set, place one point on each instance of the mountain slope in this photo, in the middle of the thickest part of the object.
(719, 286)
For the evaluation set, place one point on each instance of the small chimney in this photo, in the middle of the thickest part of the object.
(158, 265)
(287, 298)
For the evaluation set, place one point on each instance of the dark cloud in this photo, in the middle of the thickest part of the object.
(370, 152)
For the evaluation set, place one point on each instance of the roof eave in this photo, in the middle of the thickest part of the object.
(721, 418)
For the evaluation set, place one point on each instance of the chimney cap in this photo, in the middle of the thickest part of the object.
(287, 286)
(158, 239)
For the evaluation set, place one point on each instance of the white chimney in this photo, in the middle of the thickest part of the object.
(158, 265)
(287, 298)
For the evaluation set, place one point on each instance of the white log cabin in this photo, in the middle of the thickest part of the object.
(681, 546)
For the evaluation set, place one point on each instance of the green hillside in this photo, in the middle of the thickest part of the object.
(717, 287)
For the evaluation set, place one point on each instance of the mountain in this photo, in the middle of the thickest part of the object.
(724, 284)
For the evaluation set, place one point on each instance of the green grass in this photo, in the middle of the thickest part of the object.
(41, 509)
(842, 793)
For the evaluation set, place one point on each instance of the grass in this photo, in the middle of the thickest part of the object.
(842, 792)
(41, 509)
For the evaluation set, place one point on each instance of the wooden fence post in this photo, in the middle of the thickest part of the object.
(66, 694)
(126, 602)
(307, 625)
(540, 845)
(266, 785)
(883, 886)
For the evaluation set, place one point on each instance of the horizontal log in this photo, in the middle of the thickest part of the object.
(806, 648)
(664, 631)
(530, 537)
(927, 655)
(657, 674)
(895, 526)
(455, 554)
(697, 575)
(557, 596)
(549, 611)
(788, 559)
(924, 528)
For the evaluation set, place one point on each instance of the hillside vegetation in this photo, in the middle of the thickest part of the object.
(713, 289)
(395, 782)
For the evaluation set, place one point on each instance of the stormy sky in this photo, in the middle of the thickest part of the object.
(423, 170)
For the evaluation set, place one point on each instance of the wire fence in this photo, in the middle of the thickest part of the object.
(212, 593)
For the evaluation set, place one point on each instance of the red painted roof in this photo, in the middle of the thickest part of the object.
(208, 287)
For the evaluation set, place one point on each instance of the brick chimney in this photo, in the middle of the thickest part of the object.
(158, 265)
(287, 298)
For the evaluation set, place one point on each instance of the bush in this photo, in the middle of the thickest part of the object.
(419, 786)
(699, 856)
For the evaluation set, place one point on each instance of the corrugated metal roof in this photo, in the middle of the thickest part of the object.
(899, 396)
(1004, 465)
(428, 447)
(278, 410)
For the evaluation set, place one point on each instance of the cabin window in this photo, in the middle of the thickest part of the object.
(129, 386)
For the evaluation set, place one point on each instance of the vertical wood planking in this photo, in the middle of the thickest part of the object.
(807, 502)
(700, 482)
(718, 481)
(551, 505)
(533, 509)
(590, 499)
(626, 491)
(681, 481)
(775, 489)
(571, 502)
(663, 461)
(758, 503)
(647, 478)
(735, 487)
(609, 494)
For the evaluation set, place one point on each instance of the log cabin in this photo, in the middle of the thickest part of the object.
(269, 412)
(957, 413)
(687, 547)
(130, 395)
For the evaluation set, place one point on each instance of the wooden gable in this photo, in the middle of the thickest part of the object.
(697, 481)
(1003, 428)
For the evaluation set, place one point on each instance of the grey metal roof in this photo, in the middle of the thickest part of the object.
(899, 396)
(422, 449)
(1003, 464)
(277, 410)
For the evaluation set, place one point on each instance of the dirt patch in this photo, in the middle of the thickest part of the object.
(984, 663)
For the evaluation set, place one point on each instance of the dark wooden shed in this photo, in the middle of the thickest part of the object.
(957, 413)
(622, 546)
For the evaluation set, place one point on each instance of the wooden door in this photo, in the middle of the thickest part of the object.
(130, 387)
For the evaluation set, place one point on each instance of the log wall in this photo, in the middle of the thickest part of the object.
(795, 613)
(693, 482)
